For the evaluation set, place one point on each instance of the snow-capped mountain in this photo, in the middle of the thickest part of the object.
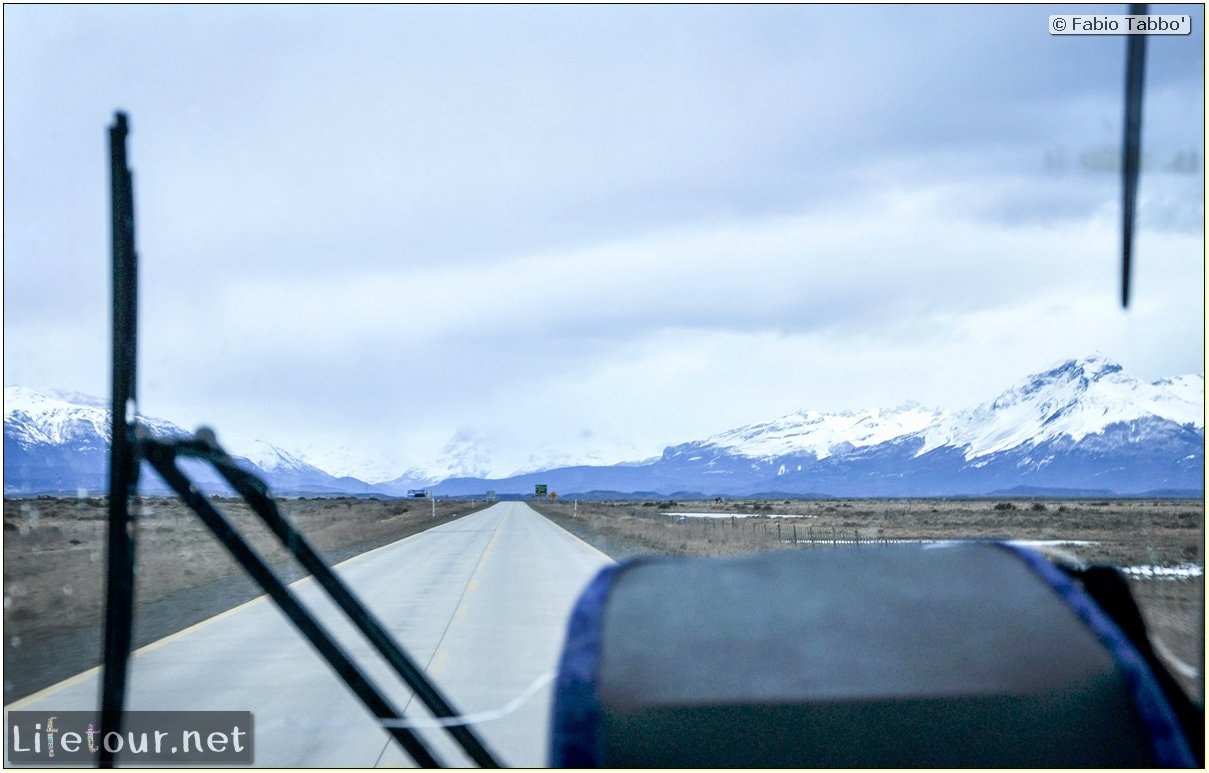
(824, 434)
(59, 442)
(1074, 399)
(347, 459)
(1081, 425)
(65, 418)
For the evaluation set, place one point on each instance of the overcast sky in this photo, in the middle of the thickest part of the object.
(499, 237)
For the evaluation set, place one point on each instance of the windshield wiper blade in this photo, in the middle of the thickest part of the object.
(123, 459)
(131, 443)
(1135, 70)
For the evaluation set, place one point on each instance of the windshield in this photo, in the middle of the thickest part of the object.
(492, 297)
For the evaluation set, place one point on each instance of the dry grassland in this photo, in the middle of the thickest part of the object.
(1164, 533)
(54, 554)
(54, 569)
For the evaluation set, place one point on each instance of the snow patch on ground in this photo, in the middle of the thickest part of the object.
(738, 515)
(1152, 572)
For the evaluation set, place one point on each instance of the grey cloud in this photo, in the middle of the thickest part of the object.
(359, 210)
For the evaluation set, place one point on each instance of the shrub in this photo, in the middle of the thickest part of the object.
(1005, 506)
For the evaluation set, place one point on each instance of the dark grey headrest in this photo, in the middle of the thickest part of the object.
(952, 656)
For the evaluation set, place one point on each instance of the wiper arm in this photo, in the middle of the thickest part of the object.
(162, 456)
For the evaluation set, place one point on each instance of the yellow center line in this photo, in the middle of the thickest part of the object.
(440, 654)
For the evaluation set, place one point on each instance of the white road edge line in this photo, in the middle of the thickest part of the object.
(577, 539)
(480, 717)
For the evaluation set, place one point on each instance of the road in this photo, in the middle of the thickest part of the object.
(481, 602)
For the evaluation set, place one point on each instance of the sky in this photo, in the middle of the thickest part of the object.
(485, 240)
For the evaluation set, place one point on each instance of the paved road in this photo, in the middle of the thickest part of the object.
(481, 602)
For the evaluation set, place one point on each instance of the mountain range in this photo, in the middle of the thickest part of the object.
(1081, 427)
(58, 442)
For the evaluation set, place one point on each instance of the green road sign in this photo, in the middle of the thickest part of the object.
(540, 490)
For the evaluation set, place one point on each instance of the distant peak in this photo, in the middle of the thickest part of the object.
(16, 394)
(910, 406)
(1093, 367)
(18, 391)
(1098, 365)
(78, 398)
(24, 398)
